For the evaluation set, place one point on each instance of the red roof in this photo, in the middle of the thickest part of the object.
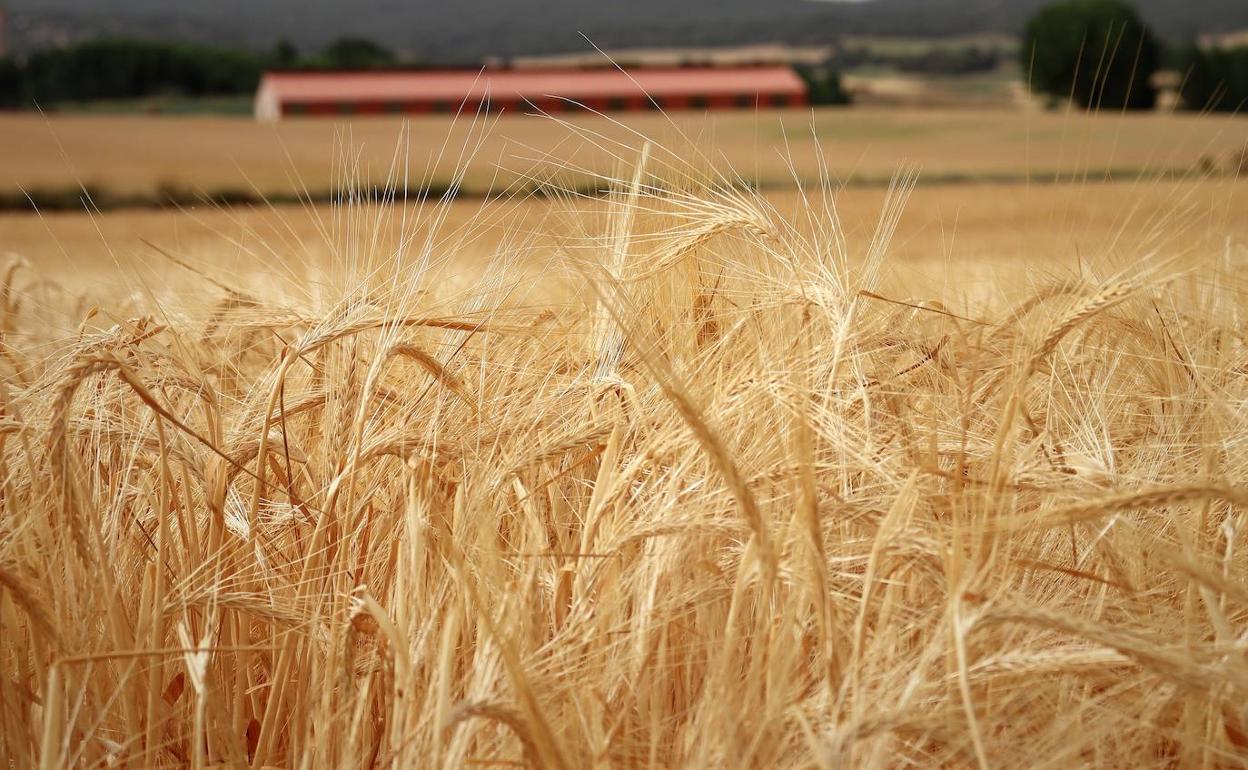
(503, 85)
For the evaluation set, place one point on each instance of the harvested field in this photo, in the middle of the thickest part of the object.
(149, 157)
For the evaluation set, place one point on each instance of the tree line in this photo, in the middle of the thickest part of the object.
(127, 69)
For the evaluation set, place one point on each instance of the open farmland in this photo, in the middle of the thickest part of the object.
(971, 239)
(147, 157)
(682, 475)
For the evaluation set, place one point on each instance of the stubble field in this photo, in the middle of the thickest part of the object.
(141, 154)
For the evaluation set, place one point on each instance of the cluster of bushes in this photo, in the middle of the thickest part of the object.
(118, 69)
(959, 61)
(128, 69)
(938, 60)
(10, 83)
(1215, 79)
(824, 85)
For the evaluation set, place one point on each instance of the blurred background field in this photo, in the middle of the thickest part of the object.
(141, 115)
(996, 187)
(980, 243)
(145, 156)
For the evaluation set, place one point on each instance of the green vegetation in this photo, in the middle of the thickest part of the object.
(824, 84)
(1096, 52)
(285, 54)
(147, 75)
(353, 53)
(953, 62)
(120, 69)
(1216, 79)
(10, 83)
(932, 56)
(164, 104)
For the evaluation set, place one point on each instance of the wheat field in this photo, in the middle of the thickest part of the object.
(140, 154)
(683, 476)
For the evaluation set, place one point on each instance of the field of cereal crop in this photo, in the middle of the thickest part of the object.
(749, 457)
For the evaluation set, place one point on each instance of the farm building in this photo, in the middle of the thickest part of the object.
(605, 90)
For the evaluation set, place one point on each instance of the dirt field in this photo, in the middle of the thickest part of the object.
(144, 154)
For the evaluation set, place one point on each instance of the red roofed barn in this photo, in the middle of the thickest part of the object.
(604, 90)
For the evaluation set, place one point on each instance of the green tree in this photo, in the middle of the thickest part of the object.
(1215, 79)
(823, 84)
(285, 55)
(10, 84)
(1096, 52)
(124, 69)
(353, 53)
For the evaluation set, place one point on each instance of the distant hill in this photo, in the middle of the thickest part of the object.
(467, 30)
